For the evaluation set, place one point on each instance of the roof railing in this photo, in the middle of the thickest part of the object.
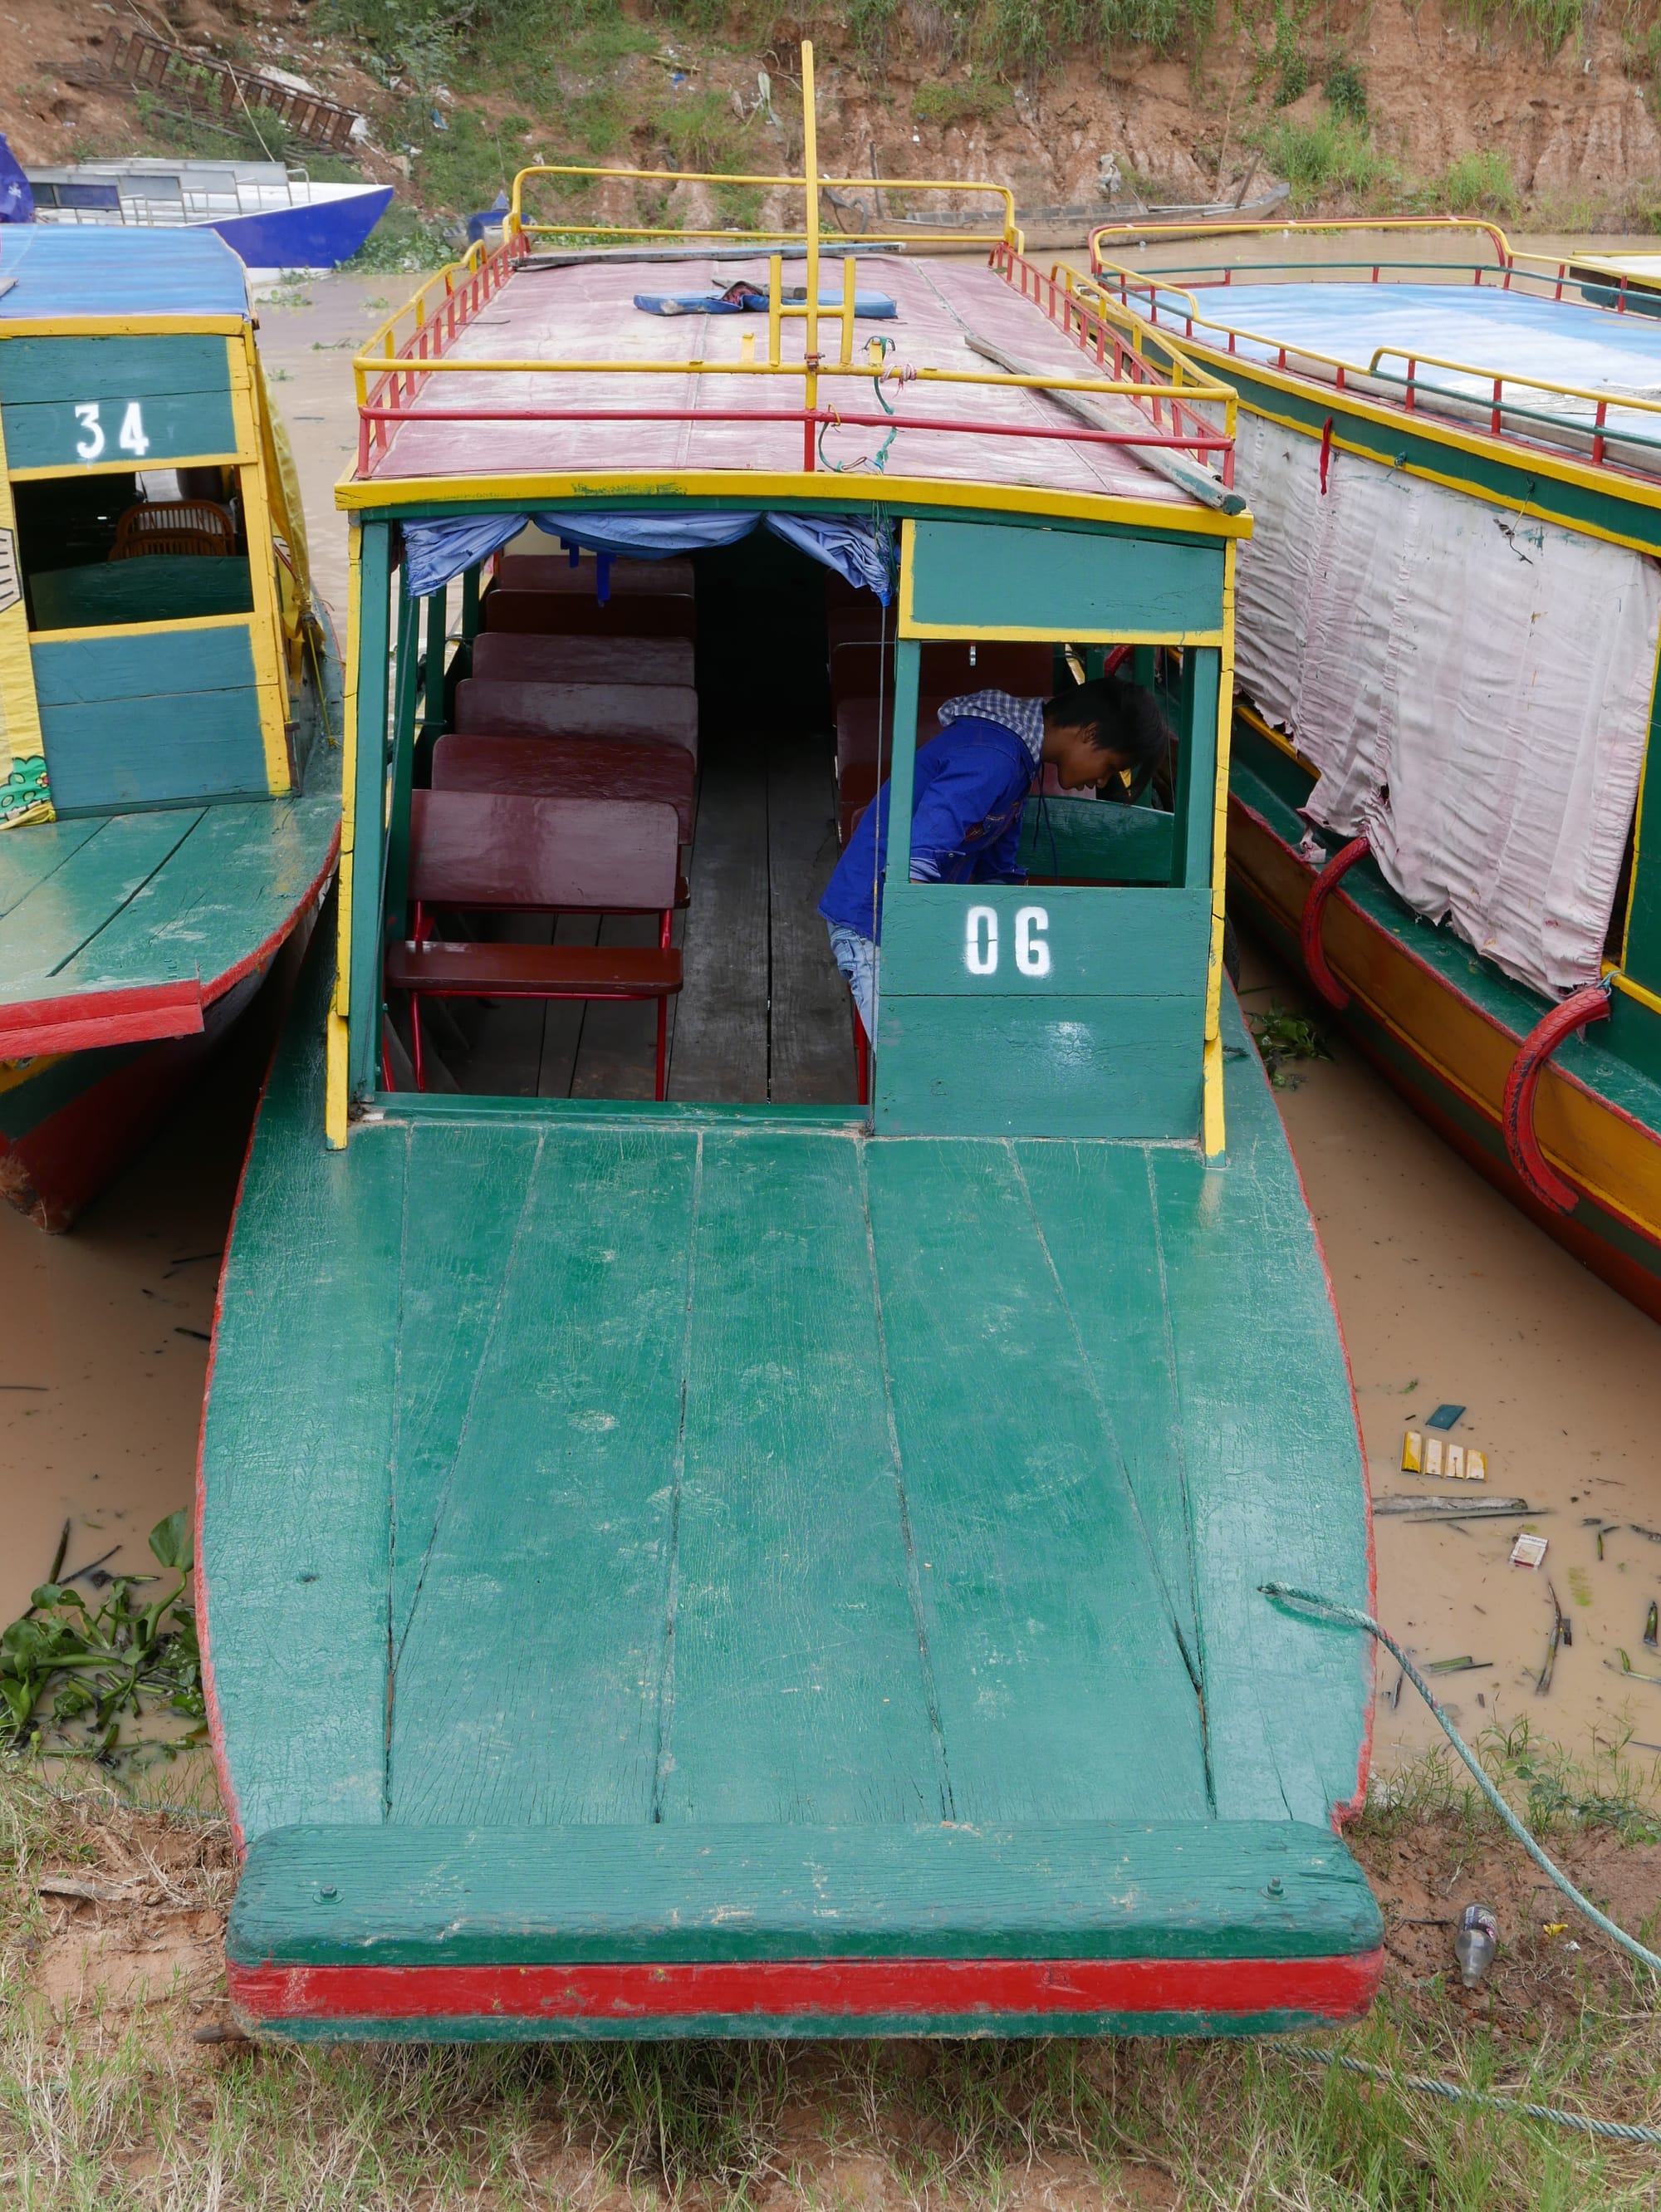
(1175, 309)
(395, 367)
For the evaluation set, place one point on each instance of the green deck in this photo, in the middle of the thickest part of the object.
(570, 1467)
(180, 895)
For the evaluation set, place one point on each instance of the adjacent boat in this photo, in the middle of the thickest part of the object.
(1449, 618)
(271, 214)
(745, 1562)
(170, 708)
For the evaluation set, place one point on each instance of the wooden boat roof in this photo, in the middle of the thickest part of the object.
(119, 928)
(479, 427)
(50, 273)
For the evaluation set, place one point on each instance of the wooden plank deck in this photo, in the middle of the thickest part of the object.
(749, 1469)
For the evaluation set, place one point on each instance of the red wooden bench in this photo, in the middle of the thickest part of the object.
(571, 614)
(472, 848)
(525, 659)
(553, 571)
(568, 767)
(644, 714)
(860, 666)
(861, 762)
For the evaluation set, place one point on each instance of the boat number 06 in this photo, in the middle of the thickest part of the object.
(130, 439)
(1032, 943)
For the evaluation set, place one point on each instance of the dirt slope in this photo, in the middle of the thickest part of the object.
(1567, 139)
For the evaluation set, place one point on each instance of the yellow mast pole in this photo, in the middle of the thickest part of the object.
(810, 162)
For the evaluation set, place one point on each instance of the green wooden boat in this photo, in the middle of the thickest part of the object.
(757, 1563)
(170, 696)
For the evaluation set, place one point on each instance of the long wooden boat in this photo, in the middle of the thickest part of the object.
(170, 699)
(755, 1562)
(1449, 618)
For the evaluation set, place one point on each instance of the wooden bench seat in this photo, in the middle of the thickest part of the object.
(530, 855)
(633, 577)
(648, 714)
(537, 971)
(526, 659)
(568, 614)
(568, 767)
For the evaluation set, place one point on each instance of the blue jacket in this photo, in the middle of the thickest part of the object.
(970, 785)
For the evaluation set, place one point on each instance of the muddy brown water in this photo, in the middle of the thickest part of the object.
(1446, 1296)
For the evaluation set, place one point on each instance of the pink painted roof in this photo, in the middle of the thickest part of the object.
(586, 312)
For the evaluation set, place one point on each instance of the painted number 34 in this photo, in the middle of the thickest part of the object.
(94, 437)
(1032, 943)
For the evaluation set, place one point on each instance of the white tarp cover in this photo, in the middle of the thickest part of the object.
(1474, 686)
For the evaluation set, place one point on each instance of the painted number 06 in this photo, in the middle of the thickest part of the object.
(130, 439)
(1032, 945)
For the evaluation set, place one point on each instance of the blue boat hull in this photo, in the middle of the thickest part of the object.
(317, 237)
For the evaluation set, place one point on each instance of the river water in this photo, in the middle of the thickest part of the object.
(1446, 1296)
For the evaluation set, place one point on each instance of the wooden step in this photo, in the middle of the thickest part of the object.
(689, 1928)
(503, 971)
(526, 659)
(567, 614)
(653, 714)
(568, 767)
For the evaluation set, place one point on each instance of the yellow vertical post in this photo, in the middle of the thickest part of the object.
(849, 268)
(775, 303)
(1213, 1133)
(24, 795)
(810, 160)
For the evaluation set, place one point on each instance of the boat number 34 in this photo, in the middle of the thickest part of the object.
(93, 441)
(1032, 942)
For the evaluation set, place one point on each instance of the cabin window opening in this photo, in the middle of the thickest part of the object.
(98, 551)
(740, 686)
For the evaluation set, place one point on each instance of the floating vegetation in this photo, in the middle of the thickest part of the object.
(1283, 1036)
(72, 1673)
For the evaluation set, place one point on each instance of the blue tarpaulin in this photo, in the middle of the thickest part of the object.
(108, 269)
(16, 200)
(436, 553)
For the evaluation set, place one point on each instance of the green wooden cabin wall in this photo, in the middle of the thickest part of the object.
(179, 384)
(167, 718)
(1010, 579)
(155, 587)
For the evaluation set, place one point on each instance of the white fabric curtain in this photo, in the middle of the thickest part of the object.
(1474, 686)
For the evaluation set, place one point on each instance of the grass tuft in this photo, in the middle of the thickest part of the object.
(1325, 158)
(1480, 183)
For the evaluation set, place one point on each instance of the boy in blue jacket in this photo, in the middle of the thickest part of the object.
(969, 784)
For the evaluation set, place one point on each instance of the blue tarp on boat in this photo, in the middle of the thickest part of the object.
(111, 269)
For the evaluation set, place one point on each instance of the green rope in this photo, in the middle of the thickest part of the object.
(1350, 1618)
(1456, 2092)
(1615, 2130)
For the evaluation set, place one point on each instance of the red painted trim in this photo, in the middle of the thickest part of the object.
(1334, 1988)
(135, 1014)
(1589, 1004)
(1315, 914)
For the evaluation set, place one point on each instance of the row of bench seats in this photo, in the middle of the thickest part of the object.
(566, 786)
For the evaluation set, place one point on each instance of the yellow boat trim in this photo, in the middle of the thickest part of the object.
(1134, 234)
(1624, 984)
(124, 327)
(14, 1073)
(1213, 1133)
(126, 468)
(1638, 812)
(21, 740)
(338, 1042)
(139, 630)
(270, 664)
(1171, 517)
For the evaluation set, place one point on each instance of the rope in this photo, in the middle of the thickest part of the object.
(1455, 2092)
(1427, 2085)
(1350, 1618)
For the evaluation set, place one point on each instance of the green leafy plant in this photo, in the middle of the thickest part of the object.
(71, 1673)
(1346, 93)
(1324, 157)
(969, 99)
(1478, 184)
(1283, 1036)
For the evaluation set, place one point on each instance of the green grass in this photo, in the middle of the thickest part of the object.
(1477, 184)
(109, 2107)
(1549, 22)
(1325, 158)
(946, 101)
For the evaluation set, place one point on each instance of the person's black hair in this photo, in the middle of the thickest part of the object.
(1120, 718)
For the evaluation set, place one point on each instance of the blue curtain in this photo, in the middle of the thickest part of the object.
(437, 552)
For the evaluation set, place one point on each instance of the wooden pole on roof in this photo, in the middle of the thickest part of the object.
(810, 162)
